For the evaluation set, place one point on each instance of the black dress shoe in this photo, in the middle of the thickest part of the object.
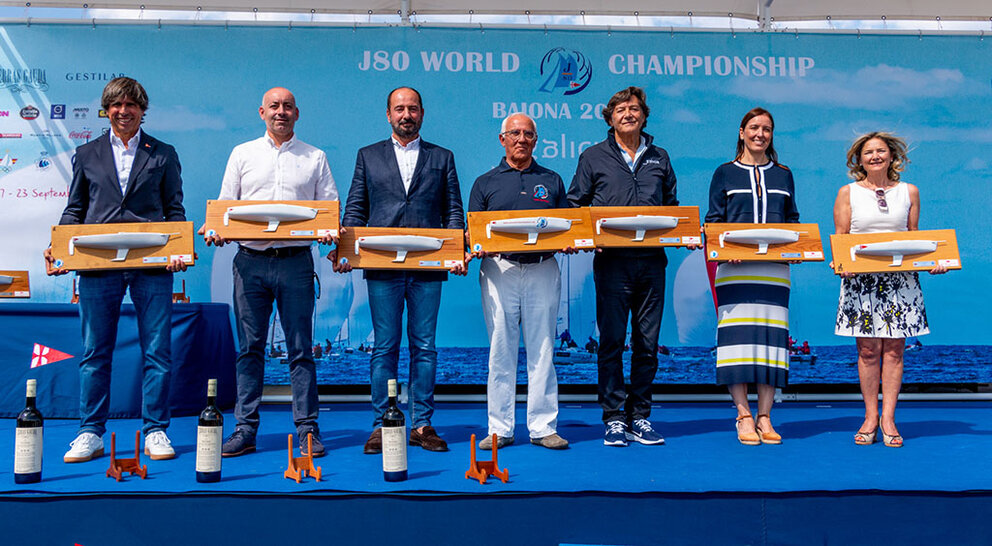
(374, 443)
(428, 439)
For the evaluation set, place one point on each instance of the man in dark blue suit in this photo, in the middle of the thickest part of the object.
(405, 182)
(124, 176)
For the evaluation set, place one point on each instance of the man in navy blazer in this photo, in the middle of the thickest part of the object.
(124, 176)
(405, 182)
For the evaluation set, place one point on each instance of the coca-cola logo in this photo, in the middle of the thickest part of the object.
(30, 112)
(85, 134)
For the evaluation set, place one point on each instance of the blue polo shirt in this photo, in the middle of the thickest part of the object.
(506, 188)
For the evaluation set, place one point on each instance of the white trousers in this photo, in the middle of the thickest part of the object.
(514, 296)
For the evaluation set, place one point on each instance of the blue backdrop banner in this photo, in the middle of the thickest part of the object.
(206, 83)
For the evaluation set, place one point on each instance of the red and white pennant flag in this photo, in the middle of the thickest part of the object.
(46, 355)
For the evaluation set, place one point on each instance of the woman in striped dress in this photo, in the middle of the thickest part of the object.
(753, 297)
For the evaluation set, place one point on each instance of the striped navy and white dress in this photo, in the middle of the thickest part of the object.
(752, 297)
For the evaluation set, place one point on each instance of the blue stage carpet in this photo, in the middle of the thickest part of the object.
(701, 487)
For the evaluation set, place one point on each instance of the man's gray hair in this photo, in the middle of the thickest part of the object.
(502, 127)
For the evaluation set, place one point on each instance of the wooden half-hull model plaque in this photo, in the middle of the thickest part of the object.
(645, 226)
(539, 230)
(14, 284)
(86, 247)
(895, 251)
(401, 248)
(763, 242)
(272, 220)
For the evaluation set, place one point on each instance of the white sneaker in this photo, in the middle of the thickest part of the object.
(85, 447)
(158, 446)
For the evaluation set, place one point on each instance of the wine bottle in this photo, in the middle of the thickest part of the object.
(393, 439)
(209, 438)
(27, 441)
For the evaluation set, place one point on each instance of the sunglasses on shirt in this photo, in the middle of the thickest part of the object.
(880, 197)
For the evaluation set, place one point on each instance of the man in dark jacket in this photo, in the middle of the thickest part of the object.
(404, 182)
(124, 176)
(626, 169)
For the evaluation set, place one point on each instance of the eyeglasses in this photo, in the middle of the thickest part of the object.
(517, 134)
(880, 197)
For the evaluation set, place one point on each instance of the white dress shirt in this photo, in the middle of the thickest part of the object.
(261, 170)
(406, 157)
(124, 157)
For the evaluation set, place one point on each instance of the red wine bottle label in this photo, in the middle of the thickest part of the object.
(393, 449)
(208, 443)
(27, 450)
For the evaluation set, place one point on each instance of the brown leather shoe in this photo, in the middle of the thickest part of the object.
(374, 444)
(428, 439)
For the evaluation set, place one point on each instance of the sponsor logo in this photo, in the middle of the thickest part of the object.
(652, 162)
(7, 162)
(542, 223)
(10, 135)
(83, 134)
(102, 113)
(58, 111)
(17, 80)
(45, 133)
(565, 69)
(540, 193)
(30, 112)
(43, 162)
(91, 76)
(4, 113)
(80, 113)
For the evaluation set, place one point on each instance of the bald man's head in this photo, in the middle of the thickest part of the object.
(279, 112)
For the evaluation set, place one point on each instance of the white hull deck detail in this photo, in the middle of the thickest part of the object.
(401, 244)
(639, 224)
(122, 242)
(532, 226)
(271, 214)
(760, 237)
(896, 249)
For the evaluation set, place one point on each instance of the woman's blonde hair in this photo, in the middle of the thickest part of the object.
(897, 147)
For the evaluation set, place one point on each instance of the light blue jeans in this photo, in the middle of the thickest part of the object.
(100, 297)
(386, 300)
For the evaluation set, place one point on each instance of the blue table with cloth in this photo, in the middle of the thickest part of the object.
(202, 348)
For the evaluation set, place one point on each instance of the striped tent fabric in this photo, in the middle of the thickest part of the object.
(753, 323)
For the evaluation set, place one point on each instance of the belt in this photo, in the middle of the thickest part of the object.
(523, 259)
(276, 252)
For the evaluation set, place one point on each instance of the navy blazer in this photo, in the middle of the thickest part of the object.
(377, 197)
(154, 187)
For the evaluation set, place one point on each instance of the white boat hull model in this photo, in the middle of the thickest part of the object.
(271, 214)
(760, 237)
(532, 226)
(6, 279)
(401, 244)
(639, 224)
(121, 242)
(896, 249)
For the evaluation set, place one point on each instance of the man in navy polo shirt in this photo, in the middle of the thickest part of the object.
(520, 290)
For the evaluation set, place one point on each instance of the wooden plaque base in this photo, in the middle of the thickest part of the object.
(452, 249)
(490, 238)
(180, 243)
(946, 253)
(326, 221)
(808, 248)
(18, 287)
(685, 233)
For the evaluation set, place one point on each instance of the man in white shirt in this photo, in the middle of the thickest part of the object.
(276, 166)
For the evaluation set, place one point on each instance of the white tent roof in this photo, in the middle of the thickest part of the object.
(781, 10)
